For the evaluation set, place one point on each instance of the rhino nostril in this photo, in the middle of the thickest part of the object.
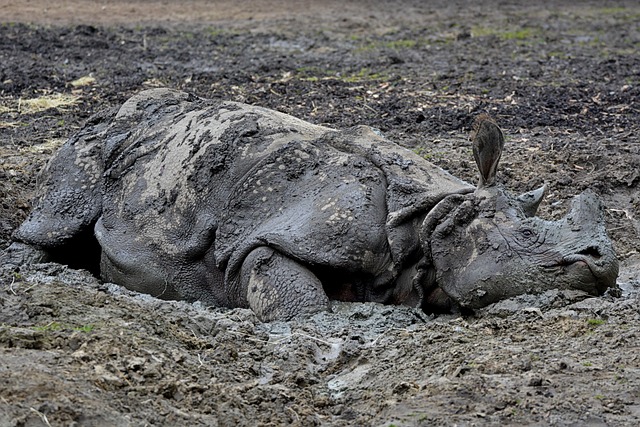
(591, 251)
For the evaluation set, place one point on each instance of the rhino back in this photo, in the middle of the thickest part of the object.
(168, 178)
(170, 185)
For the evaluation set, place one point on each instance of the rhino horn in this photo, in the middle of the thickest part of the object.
(586, 209)
(530, 200)
(488, 143)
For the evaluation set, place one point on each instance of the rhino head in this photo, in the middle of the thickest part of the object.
(488, 245)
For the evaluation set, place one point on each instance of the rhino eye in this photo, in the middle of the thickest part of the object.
(527, 233)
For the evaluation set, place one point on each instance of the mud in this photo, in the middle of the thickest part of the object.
(561, 80)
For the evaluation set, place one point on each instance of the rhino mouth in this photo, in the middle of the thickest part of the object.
(591, 268)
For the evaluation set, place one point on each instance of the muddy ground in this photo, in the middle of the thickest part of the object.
(563, 80)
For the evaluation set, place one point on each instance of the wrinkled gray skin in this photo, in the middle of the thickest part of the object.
(241, 206)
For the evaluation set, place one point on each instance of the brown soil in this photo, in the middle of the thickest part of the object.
(563, 81)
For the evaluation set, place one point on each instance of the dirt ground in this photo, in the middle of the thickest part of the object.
(563, 80)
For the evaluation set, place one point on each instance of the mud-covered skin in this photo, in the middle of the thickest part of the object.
(242, 206)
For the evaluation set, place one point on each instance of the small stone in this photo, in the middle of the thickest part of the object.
(535, 382)
(401, 387)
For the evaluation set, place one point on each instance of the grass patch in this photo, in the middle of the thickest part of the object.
(483, 31)
(154, 83)
(48, 146)
(314, 74)
(84, 328)
(362, 75)
(214, 32)
(612, 10)
(56, 101)
(429, 155)
(595, 322)
(57, 326)
(522, 34)
(52, 326)
(8, 125)
(83, 81)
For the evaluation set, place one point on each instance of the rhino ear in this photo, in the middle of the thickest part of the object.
(488, 142)
(530, 200)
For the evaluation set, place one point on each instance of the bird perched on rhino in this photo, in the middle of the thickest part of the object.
(488, 142)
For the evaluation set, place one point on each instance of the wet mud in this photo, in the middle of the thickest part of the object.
(562, 81)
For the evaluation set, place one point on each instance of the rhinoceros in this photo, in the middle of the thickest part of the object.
(240, 206)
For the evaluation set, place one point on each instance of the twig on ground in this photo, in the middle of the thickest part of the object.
(13, 280)
(42, 416)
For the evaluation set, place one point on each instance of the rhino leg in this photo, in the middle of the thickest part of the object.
(279, 288)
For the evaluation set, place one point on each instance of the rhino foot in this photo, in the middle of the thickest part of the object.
(279, 288)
